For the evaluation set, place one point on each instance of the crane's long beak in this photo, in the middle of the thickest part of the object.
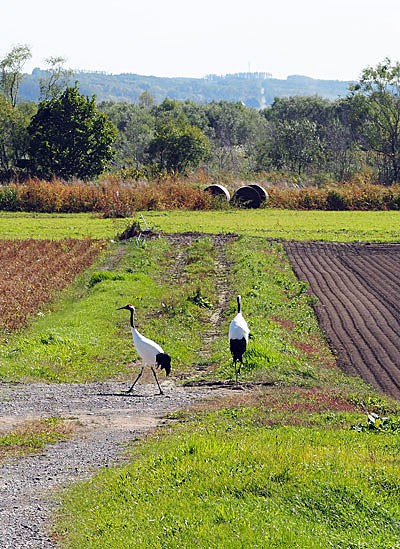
(124, 307)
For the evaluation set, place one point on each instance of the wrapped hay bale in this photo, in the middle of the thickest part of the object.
(247, 197)
(261, 191)
(219, 191)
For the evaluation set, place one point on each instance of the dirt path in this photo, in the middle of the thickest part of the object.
(108, 421)
(357, 286)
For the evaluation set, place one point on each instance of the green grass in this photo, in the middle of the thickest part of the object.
(271, 223)
(83, 337)
(285, 224)
(227, 480)
(56, 226)
(280, 468)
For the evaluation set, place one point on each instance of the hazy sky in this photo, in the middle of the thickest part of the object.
(328, 39)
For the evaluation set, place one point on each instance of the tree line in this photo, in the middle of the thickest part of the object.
(67, 135)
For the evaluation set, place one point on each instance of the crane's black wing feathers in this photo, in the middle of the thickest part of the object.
(164, 361)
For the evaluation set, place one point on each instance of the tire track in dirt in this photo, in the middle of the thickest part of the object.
(222, 265)
(222, 289)
(358, 307)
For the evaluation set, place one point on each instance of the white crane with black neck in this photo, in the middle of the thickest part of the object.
(238, 337)
(150, 352)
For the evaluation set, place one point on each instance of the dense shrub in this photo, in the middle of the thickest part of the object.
(340, 197)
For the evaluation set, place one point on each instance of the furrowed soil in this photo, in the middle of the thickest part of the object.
(32, 271)
(357, 286)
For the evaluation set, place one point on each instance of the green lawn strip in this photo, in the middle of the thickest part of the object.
(336, 226)
(346, 226)
(57, 226)
(287, 345)
(228, 479)
(33, 436)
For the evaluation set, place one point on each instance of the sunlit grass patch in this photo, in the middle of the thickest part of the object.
(32, 436)
(83, 337)
(278, 310)
(225, 480)
(58, 226)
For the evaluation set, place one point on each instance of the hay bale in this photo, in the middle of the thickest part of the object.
(218, 190)
(247, 197)
(261, 191)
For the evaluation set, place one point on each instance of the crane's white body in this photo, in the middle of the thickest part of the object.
(147, 348)
(238, 337)
(238, 328)
(151, 353)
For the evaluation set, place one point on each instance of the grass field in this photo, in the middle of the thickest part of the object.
(15, 225)
(292, 464)
(285, 224)
(270, 223)
(230, 480)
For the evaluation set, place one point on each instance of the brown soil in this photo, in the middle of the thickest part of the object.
(357, 286)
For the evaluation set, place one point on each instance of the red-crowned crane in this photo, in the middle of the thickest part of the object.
(150, 352)
(238, 337)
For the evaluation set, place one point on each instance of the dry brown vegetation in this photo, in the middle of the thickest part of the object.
(34, 270)
(118, 198)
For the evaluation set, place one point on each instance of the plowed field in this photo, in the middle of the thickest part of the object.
(358, 307)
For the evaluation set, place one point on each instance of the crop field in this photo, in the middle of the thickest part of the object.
(34, 270)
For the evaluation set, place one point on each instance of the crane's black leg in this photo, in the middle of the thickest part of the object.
(138, 377)
(155, 377)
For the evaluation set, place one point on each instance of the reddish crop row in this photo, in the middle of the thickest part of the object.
(366, 196)
(34, 270)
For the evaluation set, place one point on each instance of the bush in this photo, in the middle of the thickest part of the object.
(8, 199)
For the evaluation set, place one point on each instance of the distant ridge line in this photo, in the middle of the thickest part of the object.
(253, 89)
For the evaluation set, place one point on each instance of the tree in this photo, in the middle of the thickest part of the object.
(14, 137)
(314, 108)
(178, 147)
(233, 128)
(56, 80)
(146, 100)
(376, 115)
(70, 137)
(11, 71)
(135, 126)
(292, 145)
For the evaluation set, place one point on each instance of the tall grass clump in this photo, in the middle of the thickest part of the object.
(119, 198)
(111, 199)
(348, 196)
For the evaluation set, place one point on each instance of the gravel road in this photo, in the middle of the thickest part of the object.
(109, 419)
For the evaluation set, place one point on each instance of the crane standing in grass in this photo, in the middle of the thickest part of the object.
(150, 352)
(238, 337)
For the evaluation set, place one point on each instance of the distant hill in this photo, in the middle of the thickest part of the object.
(253, 89)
